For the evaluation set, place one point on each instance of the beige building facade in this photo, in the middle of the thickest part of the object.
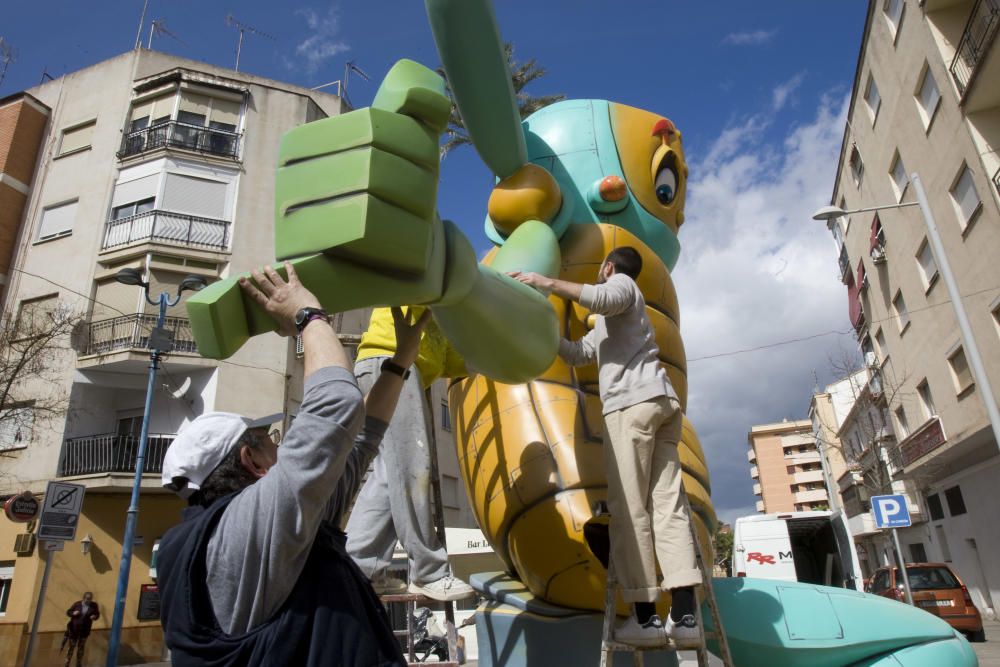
(926, 101)
(786, 468)
(164, 165)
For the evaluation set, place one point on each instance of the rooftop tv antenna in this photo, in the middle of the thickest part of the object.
(351, 66)
(7, 56)
(159, 27)
(243, 28)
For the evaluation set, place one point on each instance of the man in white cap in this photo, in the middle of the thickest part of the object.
(258, 573)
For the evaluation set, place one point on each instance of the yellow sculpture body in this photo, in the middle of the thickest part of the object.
(531, 455)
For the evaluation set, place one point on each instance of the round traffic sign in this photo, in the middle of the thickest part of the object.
(22, 508)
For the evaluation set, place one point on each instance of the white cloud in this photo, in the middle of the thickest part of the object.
(750, 37)
(756, 269)
(781, 92)
(322, 43)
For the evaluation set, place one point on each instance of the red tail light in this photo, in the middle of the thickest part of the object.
(741, 574)
(968, 598)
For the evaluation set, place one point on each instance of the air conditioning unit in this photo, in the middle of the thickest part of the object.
(24, 544)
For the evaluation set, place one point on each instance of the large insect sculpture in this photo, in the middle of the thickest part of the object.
(355, 213)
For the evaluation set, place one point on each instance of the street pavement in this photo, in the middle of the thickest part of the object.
(988, 651)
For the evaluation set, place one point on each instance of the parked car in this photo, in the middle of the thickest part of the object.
(936, 589)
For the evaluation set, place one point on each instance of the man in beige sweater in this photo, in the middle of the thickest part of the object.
(642, 417)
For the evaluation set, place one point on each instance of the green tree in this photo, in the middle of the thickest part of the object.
(521, 74)
(723, 543)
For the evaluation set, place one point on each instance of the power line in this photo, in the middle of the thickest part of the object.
(731, 353)
(833, 331)
(117, 310)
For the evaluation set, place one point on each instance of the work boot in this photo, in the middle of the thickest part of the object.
(645, 635)
(445, 589)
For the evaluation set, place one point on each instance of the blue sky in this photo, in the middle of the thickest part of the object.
(758, 88)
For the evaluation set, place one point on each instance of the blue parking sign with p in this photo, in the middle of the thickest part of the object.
(890, 511)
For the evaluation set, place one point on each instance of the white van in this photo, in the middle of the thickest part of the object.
(811, 547)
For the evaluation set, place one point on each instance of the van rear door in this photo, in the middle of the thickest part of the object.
(765, 549)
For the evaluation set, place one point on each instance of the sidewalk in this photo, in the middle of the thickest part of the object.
(988, 652)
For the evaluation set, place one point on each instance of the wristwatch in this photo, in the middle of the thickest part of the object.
(392, 367)
(306, 315)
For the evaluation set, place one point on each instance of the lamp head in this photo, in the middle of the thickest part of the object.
(86, 543)
(193, 283)
(829, 213)
(130, 276)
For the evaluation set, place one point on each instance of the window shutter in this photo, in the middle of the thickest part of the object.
(135, 190)
(225, 111)
(197, 196)
(57, 220)
(142, 109)
(114, 299)
(194, 104)
(76, 138)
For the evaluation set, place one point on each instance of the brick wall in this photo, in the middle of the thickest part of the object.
(22, 130)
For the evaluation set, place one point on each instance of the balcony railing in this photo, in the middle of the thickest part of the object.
(181, 135)
(976, 39)
(110, 452)
(165, 226)
(131, 332)
(921, 442)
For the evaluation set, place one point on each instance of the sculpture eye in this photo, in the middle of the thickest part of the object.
(665, 184)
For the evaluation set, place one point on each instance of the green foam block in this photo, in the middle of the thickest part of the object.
(394, 133)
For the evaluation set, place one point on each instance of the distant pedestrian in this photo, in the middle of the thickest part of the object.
(82, 614)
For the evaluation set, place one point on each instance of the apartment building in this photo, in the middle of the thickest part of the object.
(22, 125)
(164, 165)
(855, 440)
(925, 100)
(786, 467)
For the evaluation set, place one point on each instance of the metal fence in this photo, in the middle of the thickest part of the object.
(976, 39)
(110, 452)
(157, 225)
(131, 332)
(181, 135)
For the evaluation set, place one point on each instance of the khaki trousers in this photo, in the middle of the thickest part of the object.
(649, 519)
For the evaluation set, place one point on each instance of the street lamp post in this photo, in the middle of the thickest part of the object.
(159, 342)
(968, 339)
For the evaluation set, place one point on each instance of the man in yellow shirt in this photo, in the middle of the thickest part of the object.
(395, 501)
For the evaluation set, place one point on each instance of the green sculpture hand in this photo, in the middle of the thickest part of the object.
(355, 201)
(355, 214)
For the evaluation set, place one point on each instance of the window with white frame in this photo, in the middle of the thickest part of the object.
(872, 98)
(77, 138)
(880, 347)
(965, 197)
(856, 165)
(57, 220)
(902, 425)
(845, 218)
(926, 400)
(893, 10)
(16, 427)
(897, 174)
(6, 583)
(928, 96)
(132, 208)
(960, 371)
(928, 267)
(899, 309)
